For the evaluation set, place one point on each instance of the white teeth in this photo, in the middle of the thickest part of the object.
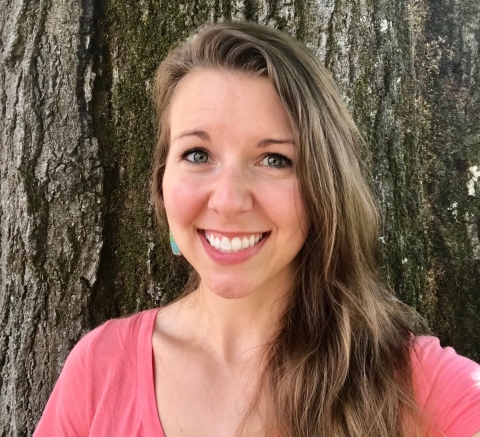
(236, 244)
(224, 244)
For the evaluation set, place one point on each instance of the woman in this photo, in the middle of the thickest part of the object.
(284, 328)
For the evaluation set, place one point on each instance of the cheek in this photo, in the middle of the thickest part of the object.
(286, 207)
(183, 200)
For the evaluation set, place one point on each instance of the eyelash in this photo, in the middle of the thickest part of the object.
(191, 151)
(287, 161)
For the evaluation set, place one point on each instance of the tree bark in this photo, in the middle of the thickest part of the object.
(51, 199)
(78, 239)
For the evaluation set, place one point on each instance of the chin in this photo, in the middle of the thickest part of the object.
(231, 293)
(230, 289)
(230, 296)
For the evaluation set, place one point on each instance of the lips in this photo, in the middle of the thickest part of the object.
(229, 256)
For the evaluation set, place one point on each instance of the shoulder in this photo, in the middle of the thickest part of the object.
(431, 363)
(447, 387)
(111, 339)
(100, 369)
(116, 334)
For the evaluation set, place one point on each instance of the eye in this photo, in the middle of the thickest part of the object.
(196, 156)
(276, 160)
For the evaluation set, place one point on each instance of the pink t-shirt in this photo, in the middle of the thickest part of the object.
(106, 387)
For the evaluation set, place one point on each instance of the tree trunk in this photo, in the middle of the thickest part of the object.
(78, 240)
(51, 199)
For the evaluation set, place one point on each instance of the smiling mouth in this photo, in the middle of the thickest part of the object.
(235, 244)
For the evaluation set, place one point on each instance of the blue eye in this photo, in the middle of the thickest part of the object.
(276, 160)
(197, 156)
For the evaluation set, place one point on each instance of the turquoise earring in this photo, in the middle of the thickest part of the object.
(173, 244)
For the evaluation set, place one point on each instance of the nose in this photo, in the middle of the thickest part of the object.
(231, 194)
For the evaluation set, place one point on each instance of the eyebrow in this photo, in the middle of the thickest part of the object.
(204, 136)
(194, 132)
(270, 141)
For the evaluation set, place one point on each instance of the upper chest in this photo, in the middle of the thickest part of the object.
(197, 396)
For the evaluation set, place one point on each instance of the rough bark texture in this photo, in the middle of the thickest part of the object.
(78, 241)
(51, 199)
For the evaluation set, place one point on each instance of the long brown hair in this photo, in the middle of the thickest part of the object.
(340, 364)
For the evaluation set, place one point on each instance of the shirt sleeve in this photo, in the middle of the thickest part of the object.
(68, 408)
(447, 387)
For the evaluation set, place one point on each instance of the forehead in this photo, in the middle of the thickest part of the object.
(227, 100)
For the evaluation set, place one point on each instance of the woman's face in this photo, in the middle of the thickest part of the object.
(231, 196)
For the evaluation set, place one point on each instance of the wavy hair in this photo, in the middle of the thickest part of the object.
(340, 363)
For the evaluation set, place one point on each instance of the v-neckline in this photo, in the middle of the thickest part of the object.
(146, 377)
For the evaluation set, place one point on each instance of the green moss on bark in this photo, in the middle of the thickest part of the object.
(451, 94)
(411, 82)
(136, 268)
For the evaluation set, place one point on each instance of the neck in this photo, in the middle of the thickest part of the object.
(234, 330)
